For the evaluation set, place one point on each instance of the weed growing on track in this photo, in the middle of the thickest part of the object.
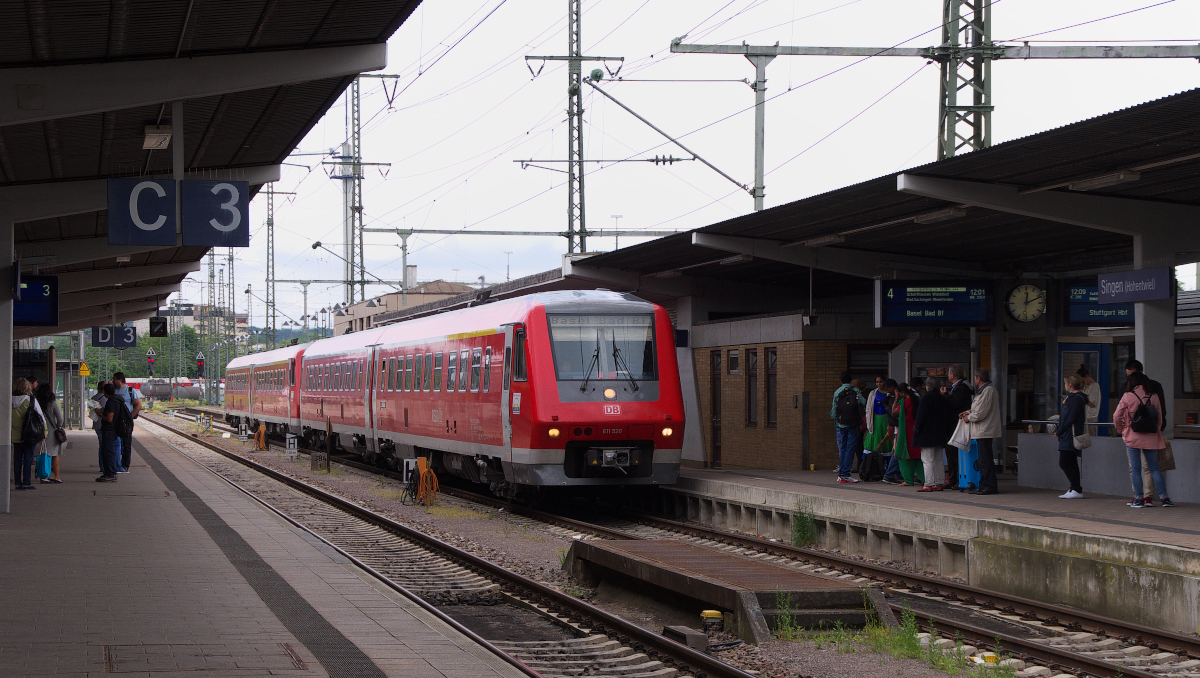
(786, 627)
(804, 524)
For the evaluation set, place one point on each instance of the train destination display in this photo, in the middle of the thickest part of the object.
(933, 303)
(1083, 307)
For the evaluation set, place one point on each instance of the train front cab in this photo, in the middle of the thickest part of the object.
(595, 396)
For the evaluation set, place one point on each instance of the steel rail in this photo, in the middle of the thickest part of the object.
(681, 657)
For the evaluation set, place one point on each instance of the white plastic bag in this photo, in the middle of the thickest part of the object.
(962, 435)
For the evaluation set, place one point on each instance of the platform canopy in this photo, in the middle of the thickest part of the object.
(80, 80)
(1068, 202)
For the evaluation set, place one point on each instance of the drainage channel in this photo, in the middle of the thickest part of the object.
(445, 579)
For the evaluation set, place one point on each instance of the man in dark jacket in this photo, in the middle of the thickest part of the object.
(958, 397)
(931, 433)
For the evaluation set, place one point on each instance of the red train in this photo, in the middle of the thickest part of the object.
(548, 390)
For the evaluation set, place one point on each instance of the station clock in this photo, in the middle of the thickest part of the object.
(1026, 303)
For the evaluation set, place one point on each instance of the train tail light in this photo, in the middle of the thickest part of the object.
(554, 433)
(667, 432)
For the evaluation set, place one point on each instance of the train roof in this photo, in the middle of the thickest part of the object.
(267, 357)
(487, 315)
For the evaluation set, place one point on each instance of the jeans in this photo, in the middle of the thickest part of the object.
(849, 444)
(112, 453)
(893, 468)
(952, 464)
(935, 473)
(23, 456)
(1135, 463)
(987, 466)
(126, 451)
(1068, 461)
(100, 448)
(1147, 480)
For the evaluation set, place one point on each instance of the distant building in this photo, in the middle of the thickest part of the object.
(361, 316)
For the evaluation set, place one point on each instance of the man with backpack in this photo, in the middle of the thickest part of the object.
(847, 415)
(133, 403)
(116, 424)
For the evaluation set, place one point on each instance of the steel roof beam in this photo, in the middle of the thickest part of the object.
(103, 312)
(1126, 216)
(49, 92)
(68, 302)
(90, 280)
(82, 323)
(860, 263)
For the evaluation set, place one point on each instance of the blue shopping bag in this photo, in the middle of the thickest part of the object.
(43, 466)
(968, 467)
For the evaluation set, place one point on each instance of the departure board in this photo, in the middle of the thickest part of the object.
(1083, 307)
(933, 303)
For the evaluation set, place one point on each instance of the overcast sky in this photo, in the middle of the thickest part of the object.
(464, 114)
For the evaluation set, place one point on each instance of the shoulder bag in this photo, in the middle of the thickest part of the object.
(1083, 440)
(1166, 458)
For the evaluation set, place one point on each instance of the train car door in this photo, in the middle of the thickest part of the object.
(370, 402)
(506, 395)
(293, 397)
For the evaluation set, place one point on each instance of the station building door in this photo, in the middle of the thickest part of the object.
(1098, 359)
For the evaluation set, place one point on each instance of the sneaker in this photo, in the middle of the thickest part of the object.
(124, 470)
(1130, 502)
(1137, 503)
(28, 487)
(846, 480)
(1167, 503)
(1071, 494)
(891, 481)
(1148, 502)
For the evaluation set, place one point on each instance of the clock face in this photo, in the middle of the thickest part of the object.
(1026, 303)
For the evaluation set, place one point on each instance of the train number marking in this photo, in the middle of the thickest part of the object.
(612, 409)
(611, 431)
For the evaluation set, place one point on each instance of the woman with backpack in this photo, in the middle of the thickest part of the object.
(56, 433)
(27, 425)
(1072, 421)
(1139, 421)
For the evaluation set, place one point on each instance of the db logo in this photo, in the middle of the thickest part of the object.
(612, 409)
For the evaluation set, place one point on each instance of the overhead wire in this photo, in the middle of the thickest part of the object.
(1085, 23)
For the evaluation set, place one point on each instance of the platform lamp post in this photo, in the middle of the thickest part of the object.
(249, 319)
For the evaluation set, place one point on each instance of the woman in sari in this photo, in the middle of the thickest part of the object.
(904, 408)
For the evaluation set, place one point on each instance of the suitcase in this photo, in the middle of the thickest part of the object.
(43, 466)
(968, 467)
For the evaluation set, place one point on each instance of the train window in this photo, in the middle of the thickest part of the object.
(507, 364)
(487, 369)
(408, 373)
(451, 371)
(291, 373)
(463, 357)
(337, 377)
(437, 372)
(428, 372)
(476, 367)
(354, 375)
(324, 377)
(418, 372)
(519, 372)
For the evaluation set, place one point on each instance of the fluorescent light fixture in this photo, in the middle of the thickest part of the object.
(823, 240)
(122, 258)
(673, 273)
(736, 259)
(1104, 181)
(940, 215)
(157, 137)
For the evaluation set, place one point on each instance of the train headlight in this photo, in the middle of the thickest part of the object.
(553, 433)
(667, 432)
(609, 393)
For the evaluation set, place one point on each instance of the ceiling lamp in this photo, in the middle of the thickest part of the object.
(821, 241)
(940, 215)
(736, 259)
(673, 273)
(157, 137)
(1104, 181)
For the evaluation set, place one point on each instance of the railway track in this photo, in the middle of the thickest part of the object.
(437, 574)
(1073, 642)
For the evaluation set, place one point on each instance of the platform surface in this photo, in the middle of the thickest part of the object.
(173, 572)
(1094, 514)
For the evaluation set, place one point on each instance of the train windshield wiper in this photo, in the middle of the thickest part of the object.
(621, 365)
(588, 375)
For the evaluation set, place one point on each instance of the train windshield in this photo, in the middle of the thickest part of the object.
(603, 346)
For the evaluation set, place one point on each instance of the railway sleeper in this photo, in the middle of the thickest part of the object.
(604, 645)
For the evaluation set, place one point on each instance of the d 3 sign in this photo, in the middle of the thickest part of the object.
(141, 212)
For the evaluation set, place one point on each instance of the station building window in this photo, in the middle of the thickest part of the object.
(772, 387)
(1191, 367)
(751, 387)
(734, 361)
(866, 363)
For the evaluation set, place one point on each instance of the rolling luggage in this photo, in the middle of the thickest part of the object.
(968, 467)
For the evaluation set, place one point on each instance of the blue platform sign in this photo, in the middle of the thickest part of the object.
(215, 213)
(1148, 284)
(1083, 307)
(122, 336)
(933, 303)
(38, 302)
(141, 212)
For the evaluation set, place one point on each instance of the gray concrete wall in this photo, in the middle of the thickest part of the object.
(1105, 467)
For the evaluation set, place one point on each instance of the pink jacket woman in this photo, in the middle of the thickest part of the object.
(1123, 417)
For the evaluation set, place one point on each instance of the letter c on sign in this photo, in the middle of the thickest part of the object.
(133, 207)
(235, 215)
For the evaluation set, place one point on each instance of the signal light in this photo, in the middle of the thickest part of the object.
(553, 433)
(200, 367)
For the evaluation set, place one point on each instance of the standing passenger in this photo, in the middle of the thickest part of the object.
(959, 399)
(55, 422)
(906, 454)
(111, 459)
(1072, 421)
(133, 402)
(95, 407)
(1143, 439)
(847, 413)
(931, 433)
(1092, 390)
(877, 429)
(984, 418)
(1157, 389)
(22, 403)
